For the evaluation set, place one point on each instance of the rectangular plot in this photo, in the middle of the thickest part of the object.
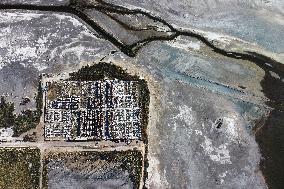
(19, 168)
(91, 110)
(93, 169)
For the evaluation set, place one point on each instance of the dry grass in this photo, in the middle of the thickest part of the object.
(19, 168)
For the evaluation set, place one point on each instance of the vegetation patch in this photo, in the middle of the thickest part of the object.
(105, 165)
(19, 168)
(23, 122)
(7, 118)
(101, 71)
